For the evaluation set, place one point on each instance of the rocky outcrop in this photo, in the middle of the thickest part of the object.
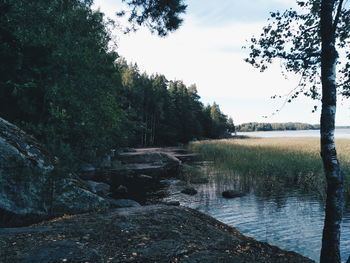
(138, 234)
(99, 188)
(68, 198)
(30, 190)
(155, 164)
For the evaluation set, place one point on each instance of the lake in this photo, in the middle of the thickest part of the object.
(339, 133)
(287, 218)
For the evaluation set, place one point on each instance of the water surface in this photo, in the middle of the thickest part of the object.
(339, 133)
(287, 218)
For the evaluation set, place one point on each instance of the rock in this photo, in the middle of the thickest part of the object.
(174, 182)
(121, 189)
(129, 150)
(99, 188)
(155, 164)
(29, 188)
(70, 199)
(106, 162)
(189, 191)
(171, 203)
(144, 178)
(62, 251)
(143, 235)
(122, 203)
(232, 194)
(186, 157)
(87, 171)
(24, 176)
(87, 167)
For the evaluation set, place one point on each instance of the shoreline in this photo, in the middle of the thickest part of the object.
(154, 233)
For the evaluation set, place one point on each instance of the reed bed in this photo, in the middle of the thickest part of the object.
(289, 161)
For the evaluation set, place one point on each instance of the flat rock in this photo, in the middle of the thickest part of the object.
(122, 203)
(99, 188)
(155, 164)
(146, 234)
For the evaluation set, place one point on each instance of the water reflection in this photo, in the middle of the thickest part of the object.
(282, 216)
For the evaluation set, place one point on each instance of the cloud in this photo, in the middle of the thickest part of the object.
(211, 56)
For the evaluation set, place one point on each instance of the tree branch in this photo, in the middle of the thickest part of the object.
(305, 57)
(337, 16)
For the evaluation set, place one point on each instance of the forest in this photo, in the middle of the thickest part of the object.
(88, 108)
(287, 126)
(64, 82)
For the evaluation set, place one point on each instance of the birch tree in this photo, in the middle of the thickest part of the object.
(308, 42)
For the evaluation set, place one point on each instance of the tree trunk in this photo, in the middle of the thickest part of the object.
(330, 252)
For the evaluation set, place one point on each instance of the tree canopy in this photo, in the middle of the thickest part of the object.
(61, 81)
(160, 16)
(293, 38)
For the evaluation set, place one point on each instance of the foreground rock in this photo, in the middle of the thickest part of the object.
(30, 190)
(61, 252)
(141, 234)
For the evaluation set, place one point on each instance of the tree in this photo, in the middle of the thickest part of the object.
(161, 16)
(307, 41)
(59, 77)
(231, 125)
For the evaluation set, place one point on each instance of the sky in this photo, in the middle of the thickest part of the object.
(207, 51)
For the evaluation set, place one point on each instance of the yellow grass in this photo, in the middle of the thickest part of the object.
(295, 161)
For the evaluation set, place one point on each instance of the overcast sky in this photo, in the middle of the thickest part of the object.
(207, 50)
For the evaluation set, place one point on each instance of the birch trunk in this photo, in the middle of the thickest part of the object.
(330, 252)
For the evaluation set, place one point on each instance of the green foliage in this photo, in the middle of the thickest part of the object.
(61, 84)
(61, 81)
(166, 112)
(161, 16)
(255, 126)
(283, 161)
(293, 37)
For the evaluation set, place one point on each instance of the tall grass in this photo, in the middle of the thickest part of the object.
(289, 161)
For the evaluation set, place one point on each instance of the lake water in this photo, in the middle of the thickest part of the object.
(287, 218)
(339, 133)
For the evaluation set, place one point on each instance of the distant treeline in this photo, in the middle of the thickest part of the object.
(288, 126)
(62, 81)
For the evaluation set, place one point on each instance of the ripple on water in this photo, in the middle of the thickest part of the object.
(291, 220)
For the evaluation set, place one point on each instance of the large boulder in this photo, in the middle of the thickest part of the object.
(144, 234)
(30, 190)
